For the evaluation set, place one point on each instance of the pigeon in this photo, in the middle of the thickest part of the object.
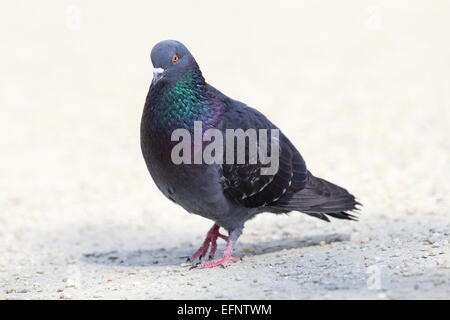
(229, 192)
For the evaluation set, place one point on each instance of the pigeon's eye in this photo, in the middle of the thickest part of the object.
(175, 58)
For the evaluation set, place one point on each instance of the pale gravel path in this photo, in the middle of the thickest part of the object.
(368, 107)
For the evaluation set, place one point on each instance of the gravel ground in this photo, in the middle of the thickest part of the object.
(362, 89)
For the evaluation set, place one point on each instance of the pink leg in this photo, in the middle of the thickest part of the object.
(211, 238)
(212, 252)
(222, 260)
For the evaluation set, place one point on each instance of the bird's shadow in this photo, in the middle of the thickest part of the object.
(177, 255)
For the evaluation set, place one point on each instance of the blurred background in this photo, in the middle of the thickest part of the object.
(360, 87)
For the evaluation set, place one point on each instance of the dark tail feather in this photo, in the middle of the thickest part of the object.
(320, 198)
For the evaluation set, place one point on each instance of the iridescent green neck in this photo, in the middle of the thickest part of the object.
(181, 101)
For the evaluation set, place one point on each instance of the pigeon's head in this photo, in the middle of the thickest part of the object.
(171, 58)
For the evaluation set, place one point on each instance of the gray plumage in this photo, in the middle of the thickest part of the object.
(228, 194)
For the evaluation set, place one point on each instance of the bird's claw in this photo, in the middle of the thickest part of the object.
(194, 266)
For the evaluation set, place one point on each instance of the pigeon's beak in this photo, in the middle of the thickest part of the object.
(157, 74)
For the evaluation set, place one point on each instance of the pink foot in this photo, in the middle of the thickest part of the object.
(211, 239)
(222, 260)
(217, 262)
